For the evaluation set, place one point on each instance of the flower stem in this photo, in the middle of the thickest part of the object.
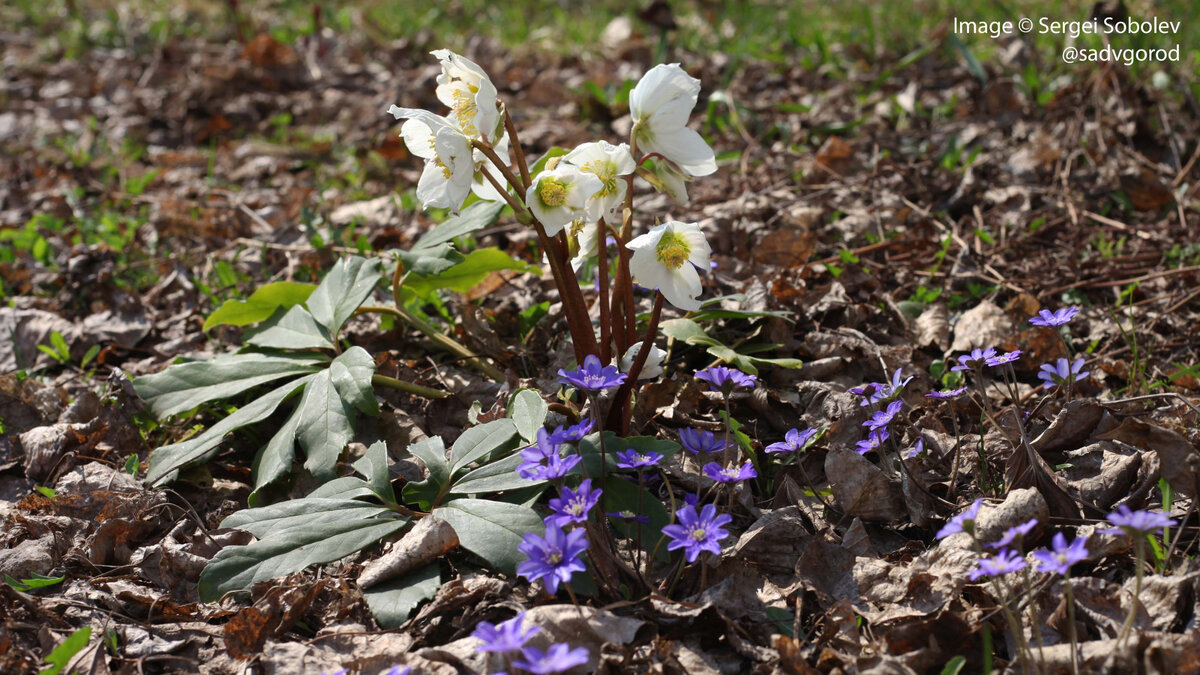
(602, 299)
(1139, 546)
(1071, 622)
(595, 396)
(518, 151)
(620, 403)
(490, 152)
(393, 383)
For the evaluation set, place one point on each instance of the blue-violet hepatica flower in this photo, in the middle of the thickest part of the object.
(698, 442)
(884, 417)
(723, 378)
(947, 393)
(553, 558)
(1060, 557)
(1014, 533)
(697, 532)
(573, 433)
(793, 441)
(963, 522)
(1060, 373)
(976, 357)
(574, 505)
(1006, 357)
(632, 459)
(873, 441)
(733, 474)
(593, 375)
(558, 658)
(506, 636)
(1002, 563)
(1059, 317)
(1136, 523)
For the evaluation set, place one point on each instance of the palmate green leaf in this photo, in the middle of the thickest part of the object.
(168, 459)
(346, 487)
(185, 386)
(491, 530)
(326, 417)
(498, 476)
(429, 261)
(261, 304)
(471, 219)
(528, 409)
(482, 440)
(392, 602)
(293, 329)
(373, 464)
(268, 520)
(467, 274)
(331, 535)
(425, 493)
(341, 292)
(686, 330)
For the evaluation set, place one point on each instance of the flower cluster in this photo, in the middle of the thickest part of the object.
(509, 638)
(544, 459)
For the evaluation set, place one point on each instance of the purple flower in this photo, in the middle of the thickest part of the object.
(873, 441)
(699, 442)
(723, 378)
(543, 461)
(697, 532)
(573, 506)
(1059, 317)
(1136, 522)
(574, 433)
(947, 393)
(875, 392)
(882, 418)
(592, 376)
(556, 659)
(397, 670)
(1061, 373)
(733, 474)
(507, 636)
(963, 522)
(793, 441)
(1060, 557)
(1002, 563)
(1014, 533)
(969, 361)
(917, 448)
(629, 516)
(632, 459)
(553, 558)
(1007, 357)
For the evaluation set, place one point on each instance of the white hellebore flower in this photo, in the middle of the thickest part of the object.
(654, 360)
(587, 238)
(470, 95)
(607, 162)
(660, 105)
(449, 163)
(666, 258)
(559, 196)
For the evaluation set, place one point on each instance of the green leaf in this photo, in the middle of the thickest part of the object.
(374, 466)
(326, 426)
(89, 355)
(36, 581)
(623, 495)
(341, 292)
(954, 666)
(326, 537)
(293, 329)
(431, 451)
(260, 305)
(480, 441)
(346, 487)
(60, 345)
(187, 385)
(275, 459)
(269, 520)
(66, 650)
(168, 459)
(393, 601)
(686, 330)
(528, 409)
(351, 375)
(495, 476)
(472, 219)
(470, 272)
(540, 164)
(429, 261)
(492, 530)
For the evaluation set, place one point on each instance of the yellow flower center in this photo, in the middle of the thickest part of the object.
(672, 250)
(465, 110)
(607, 173)
(552, 192)
(554, 558)
(700, 534)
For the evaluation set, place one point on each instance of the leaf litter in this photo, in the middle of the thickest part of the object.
(886, 247)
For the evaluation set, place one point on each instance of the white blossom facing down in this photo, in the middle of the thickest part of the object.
(671, 181)
(469, 93)
(558, 196)
(667, 258)
(587, 237)
(654, 360)
(607, 162)
(449, 164)
(660, 105)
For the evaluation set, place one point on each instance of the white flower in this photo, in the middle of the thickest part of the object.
(607, 162)
(449, 163)
(470, 95)
(559, 196)
(587, 237)
(666, 258)
(660, 105)
(653, 366)
(671, 181)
